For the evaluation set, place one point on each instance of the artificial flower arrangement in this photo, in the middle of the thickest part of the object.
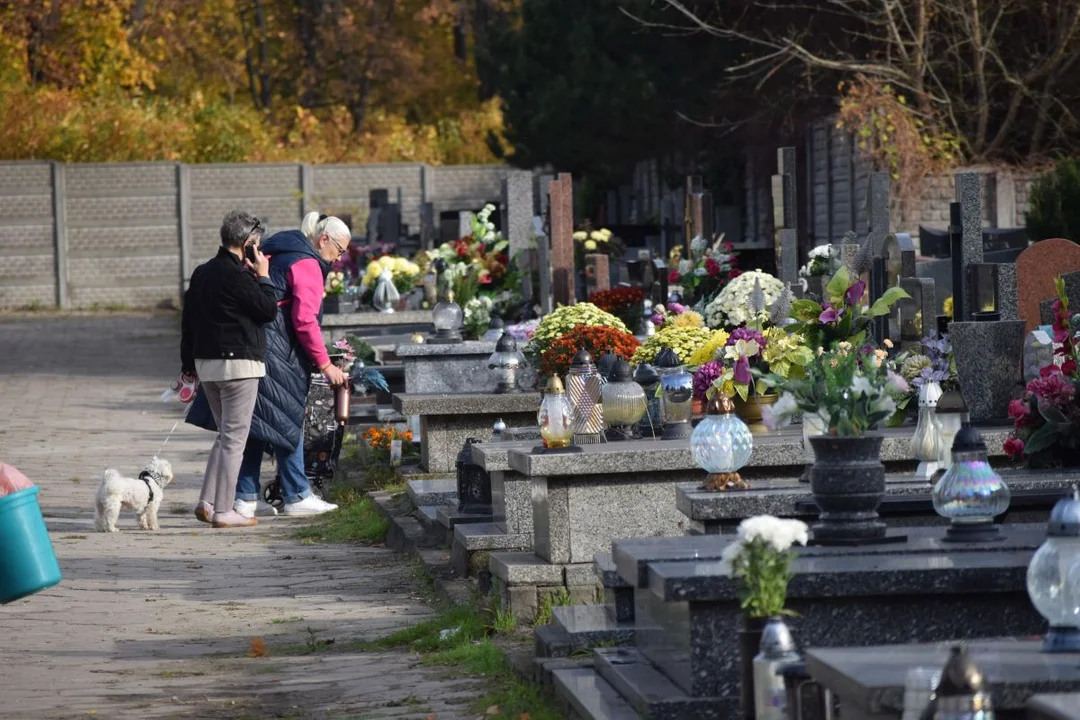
(1046, 420)
(753, 359)
(843, 314)
(708, 352)
(760, 560)
(684, 340)
(708, 269)
(564, 319)
(342, 354)
(675, 314)
(335, 283)
(477, 316)
(345, 352)
(379, 438)
(625, 303)
(818, 261)
(404, 273)
(731, 306)
(588, 241)
(848, 389)
(935, 363)
(480, 264)
(597, 339)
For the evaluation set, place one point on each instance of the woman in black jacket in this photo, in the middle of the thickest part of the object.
(224, 345)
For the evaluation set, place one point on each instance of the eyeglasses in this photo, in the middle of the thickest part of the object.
(341, 250)
(256, 228)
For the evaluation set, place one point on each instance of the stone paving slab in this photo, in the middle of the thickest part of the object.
(159, 625)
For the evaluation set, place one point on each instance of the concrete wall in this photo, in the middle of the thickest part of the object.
(99, 235)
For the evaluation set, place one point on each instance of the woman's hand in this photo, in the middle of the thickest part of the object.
(334, 375)
(261, 266)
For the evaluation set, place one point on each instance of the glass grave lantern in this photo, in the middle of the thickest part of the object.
(970, 494)
(624, 402)
(606, 364)
(1053, 577)
(677, 395)
(961, 693)
(584, 387)
(556, 417)
(495, 330)
(504, 363)
(651, 424)
(447, 315)
(926, 443)
(986, 297)
(722, 444)
(952, 414)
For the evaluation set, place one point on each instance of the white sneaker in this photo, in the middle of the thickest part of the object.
(310, 505)
(251, 509)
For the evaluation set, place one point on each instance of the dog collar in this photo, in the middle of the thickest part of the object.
(146, 476)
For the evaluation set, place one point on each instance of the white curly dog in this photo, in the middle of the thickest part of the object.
(142, 494)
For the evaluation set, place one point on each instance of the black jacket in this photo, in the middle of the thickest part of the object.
(278, 419)
(225, 308)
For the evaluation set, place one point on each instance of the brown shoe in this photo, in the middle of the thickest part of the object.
(204, 512)
(233, 519)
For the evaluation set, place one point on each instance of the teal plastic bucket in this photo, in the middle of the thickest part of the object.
(27, 561)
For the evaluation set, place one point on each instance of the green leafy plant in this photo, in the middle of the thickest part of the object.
(1054, 203)
(842, 316)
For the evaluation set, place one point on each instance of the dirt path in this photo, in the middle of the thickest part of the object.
(159, 625)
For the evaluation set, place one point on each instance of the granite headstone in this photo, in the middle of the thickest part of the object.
(1036, 269)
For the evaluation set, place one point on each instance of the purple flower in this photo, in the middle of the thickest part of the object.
(742, 333)
(829, 316)
(855, 292)
(704, 377)
(676, 308)
(657, 319)
(742, 371)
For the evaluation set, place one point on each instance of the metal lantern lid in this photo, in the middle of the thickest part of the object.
(1065, 517)
(951, 402)
(620, 370)
(720, 404)
(496, 323)
(666, 359)
(968, 440)
(960, 677)
(582, 361)
(499, 428)
(606, 363)
(646, 375)
(555, 385)
(506, 344)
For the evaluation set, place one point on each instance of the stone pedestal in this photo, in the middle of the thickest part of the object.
(447, 420)
(457, 368)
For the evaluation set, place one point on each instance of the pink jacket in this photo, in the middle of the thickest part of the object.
(306, 281)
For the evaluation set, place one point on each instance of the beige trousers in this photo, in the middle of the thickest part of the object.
(232, 402)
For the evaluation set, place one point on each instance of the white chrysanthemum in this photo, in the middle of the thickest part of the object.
(685, 266)
(732, 306)
(821, 251)
(698, 246)
(780, 534)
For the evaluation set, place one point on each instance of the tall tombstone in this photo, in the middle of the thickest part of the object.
(597, 272)
(428, 230)
(966, 238)
(698, 215)
(561, 195)
(465, 219)
(390, 224)
(785, 217)
(517, 203)
(1036, 268)
(543, 264)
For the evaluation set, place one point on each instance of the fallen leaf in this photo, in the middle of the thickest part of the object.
(258, 647)
(194, 567)
(523, 716)
(493, 710)
(430, 717)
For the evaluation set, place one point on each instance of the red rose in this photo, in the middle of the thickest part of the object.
(712, 267)
(728, 247)
(1017, 409)
(1068, 367)
(673, 276)
(734, 274)
(1014, 447)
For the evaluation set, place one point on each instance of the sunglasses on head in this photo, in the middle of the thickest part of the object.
(256, 228)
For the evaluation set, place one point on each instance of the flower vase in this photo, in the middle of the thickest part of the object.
(848, 483)
(749, 633)
(331, 305)
(750, 410)
(812, 426)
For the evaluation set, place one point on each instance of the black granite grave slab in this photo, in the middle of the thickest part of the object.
(870, 680)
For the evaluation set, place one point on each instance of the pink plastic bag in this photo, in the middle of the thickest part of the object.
(12, 481)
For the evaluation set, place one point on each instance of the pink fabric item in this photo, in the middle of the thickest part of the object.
(306, 281)
(12, 481)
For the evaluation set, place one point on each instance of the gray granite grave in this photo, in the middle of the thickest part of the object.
(335, 327)
(988, 357)
(870, 680)
(1054, 706)
(517, 202)
(452, 368)
(447, 420)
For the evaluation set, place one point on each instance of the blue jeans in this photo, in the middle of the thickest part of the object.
(294, 483)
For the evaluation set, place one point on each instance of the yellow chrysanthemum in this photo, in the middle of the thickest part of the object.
(687, 319)
(947, 307)
(707, 352)
(685, 341)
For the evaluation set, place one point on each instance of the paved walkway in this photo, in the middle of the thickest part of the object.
(159, 625)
